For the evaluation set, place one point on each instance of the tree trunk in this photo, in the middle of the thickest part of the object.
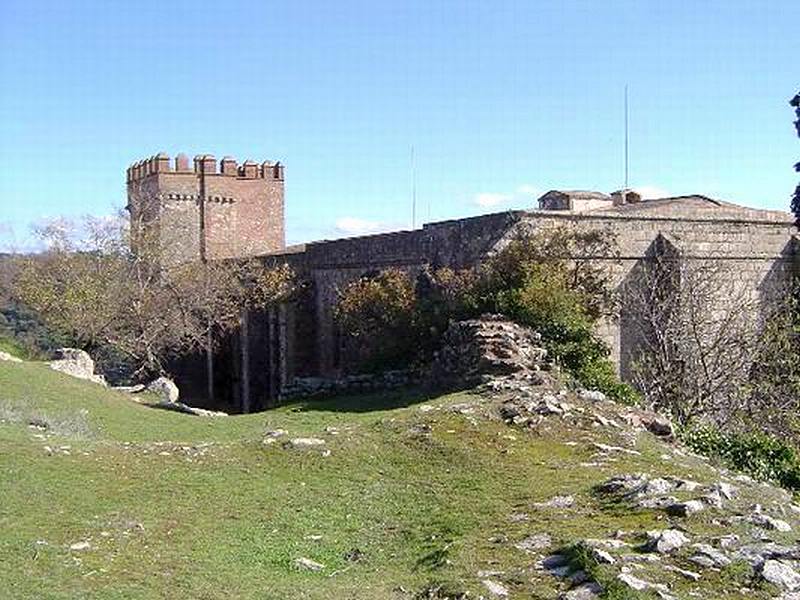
(245, 357)
(210, 365)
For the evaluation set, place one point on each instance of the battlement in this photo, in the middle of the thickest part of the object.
(206, 164)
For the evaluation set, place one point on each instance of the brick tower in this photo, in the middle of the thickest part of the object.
(201, 212)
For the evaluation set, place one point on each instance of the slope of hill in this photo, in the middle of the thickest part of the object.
(401, 496)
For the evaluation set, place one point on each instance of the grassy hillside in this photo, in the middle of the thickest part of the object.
(102, 497)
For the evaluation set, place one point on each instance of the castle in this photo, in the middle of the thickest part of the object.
(205, 212)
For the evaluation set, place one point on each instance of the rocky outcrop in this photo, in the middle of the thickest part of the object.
(489, 346)
(76, 363)
(189, 410)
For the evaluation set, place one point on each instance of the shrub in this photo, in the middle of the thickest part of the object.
(378, 314)
(389, 322)
(548, 303)
(758, 454)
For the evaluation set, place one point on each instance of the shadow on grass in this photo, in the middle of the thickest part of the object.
(366, 402)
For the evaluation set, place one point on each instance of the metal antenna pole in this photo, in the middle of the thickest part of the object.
(626, 136)
(413, 191)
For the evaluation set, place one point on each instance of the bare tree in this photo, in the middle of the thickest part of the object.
(92, 288)
(695, 336)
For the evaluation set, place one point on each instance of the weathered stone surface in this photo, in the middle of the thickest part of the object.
(76, 363)
(633, 582)
(307, 564)
(496, 588)
(665, 541)
(691, 575)
(165, 388)
(592, 395)
(534, 542)
(708, 556)
(685, 509)
(557, 502)
(303, 443)
(490, 345)
(80, 546)
(768, 522)
(657, 424)
(602, 556)
(189, 410)
(781, 574)
(585, 591)
(307, 387)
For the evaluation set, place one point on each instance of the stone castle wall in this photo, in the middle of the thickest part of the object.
(759, 249)
(220, 210)
(207, 209)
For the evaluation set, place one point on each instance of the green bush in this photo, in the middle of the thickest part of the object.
(378, 315)
(546, 302)
(762, 456)
(388, 321)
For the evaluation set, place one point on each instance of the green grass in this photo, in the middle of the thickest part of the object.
(176, 506)
(13, 347)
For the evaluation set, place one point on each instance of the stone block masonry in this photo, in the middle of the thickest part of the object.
(209, 210)
(205, 210)
(759, 245)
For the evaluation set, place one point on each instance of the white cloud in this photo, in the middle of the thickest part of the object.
(528, 190)
(356, 226)
(6, 237)
(524, 194)
(648, 192)
(487, 199)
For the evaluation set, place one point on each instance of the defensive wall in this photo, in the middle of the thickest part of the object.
(758, 247)
(210, 210)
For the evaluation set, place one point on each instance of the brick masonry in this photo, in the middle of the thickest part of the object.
(206, 209)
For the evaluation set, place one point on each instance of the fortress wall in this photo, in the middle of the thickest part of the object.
(758, 253)
(332, 265)
(755, 258)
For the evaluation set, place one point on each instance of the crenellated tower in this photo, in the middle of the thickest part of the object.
(206, 210)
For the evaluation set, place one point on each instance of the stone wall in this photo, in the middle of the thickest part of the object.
(301, 339)
(758, 245)
(759, 251)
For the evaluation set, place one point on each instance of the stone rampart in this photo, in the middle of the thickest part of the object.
(758, 245)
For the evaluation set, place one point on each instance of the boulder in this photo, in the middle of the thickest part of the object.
(685, 509)
(665, 541)
(769, 522)
(657, 424)
(165, 388)
(5, 356)
(708, 556)
(489, 345)
(781, 574)
(76, 363)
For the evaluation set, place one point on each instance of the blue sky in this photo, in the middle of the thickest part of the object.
(500, 100)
